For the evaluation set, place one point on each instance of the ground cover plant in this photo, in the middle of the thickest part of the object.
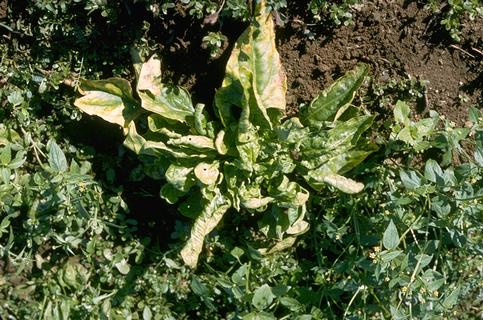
(84, 233)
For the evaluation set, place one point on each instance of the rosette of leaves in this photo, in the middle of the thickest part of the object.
(247, 158)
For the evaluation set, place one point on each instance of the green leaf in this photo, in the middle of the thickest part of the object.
(200, 119)
(192, 207)
(390, 239)
(263, 297)
(401, 113)
(251, 196)
(18, 161)
(171, 103)
(57, 159)
(289, 194)
(410, 179)
(15, 98)
(475, 115)
(348, 132)
(451, 299)
(133, 140)
(198, 287)
(259, 316)
(254, 79)
(212, 213)
(337, 96)
(198, 143)
(432, 171)
(147, 314)
(6, 155)
(237, 252)
(180, 177)
(123, 266)
(248, 153)
(478, 154)
(388, 256)
(292, 304)
(292, 131)
(169, 193)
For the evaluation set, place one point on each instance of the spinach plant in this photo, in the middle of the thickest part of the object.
(246, 158)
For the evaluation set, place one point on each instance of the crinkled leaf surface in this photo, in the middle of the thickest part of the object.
(207, 173)
(254, 79)
(180, 177)
(212, 213)
(343, 184)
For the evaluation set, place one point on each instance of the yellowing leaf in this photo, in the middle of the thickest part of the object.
(299, 227)
(109, 99)
(255, 203)
(343, 184)
(209, 218)
(220, 144)
(102, 104)
(207, 173)
(279, 246)
(150, 76)
(133, 140)
(254, 79)
(170, 102)
(195, 142)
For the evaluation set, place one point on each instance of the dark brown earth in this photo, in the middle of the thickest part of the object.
(399, 39)
(3, 8)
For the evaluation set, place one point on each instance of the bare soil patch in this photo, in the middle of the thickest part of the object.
(3, 8)
(398, 40)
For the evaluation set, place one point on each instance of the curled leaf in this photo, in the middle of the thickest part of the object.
(209, 218)
(195, 142)
(109, 99)
(343, 184)
(207, 173)
(256, 203)
(150, 76)
(254, 79)
(180, 177)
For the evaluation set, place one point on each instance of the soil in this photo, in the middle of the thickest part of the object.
(399, 39)
(3, 8)
(394, 37)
